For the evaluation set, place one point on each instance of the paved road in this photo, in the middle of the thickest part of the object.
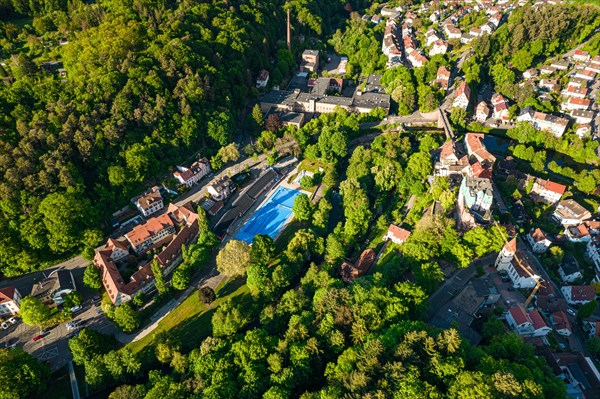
(575, 340)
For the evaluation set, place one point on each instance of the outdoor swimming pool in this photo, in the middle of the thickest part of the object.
(270, 218)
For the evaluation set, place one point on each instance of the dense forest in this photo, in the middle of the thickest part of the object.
(146, 86)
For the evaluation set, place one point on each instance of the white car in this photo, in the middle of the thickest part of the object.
(571, 312)
(13, 320)
(76, 308)
(71, 325)
(4, 326)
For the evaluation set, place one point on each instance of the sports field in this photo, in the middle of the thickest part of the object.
(271, 216)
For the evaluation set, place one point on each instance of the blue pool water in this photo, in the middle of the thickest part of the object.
(270, 218)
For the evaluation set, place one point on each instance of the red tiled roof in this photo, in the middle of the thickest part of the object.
(536, 319)
(7, 294)
(463, 88)
(519, 315)
(583, 293)
(551, 186)
(561, 322)
(398, 232)
(538, 235)
(511, 246)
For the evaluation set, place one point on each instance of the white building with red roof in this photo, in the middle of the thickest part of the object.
(581, 56)
(538, 240)
(521, 275)
(576, 103)
(527, 323)
(518, 320)
(396, 234)
(482, 112)
(540, 328)
(169, 236)
(150, 202)
(10, 301)
(193, 174)
(547, 190)
(561, 323)
(476, 148)
(443, 77)
(578, 294)
(500, 107)
(462, 96)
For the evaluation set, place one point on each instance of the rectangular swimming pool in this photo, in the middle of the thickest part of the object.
(270, 218)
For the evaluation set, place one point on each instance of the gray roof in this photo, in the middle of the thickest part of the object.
(569, 265)
(310, 52)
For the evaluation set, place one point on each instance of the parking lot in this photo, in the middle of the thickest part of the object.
(52, 346)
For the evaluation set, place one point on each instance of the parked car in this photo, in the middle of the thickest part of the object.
(4, 326)
(37, 338)
(76, 308)
(13, 320)
(571, 312)
(71, 325)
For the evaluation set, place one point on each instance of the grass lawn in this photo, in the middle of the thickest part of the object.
(60, 386)
(190, 322)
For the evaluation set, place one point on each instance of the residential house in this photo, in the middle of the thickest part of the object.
(376, 19)
(540, 328)
(452, 32)
(416, 58)
(10, 301)
(193, 174)
(575, 103)
(583, 131)
(431, 37)
(443, 77)
(439, 47)
(118, 249)
(263, 79)
(581, 56)
(561, 323)
(449, 162)
(541, 121)
(592, 326)
(549, 84)
(487, 28)
(569, 269)
(462, 96)
(586, 74)
(467, 38)
(396, 234)
(593, 252)
(569, 212)
(578, 294)
(574, 91)
(578, 372)
(349, 272)
(476, 149)
(521, 274)
(518, 320)
(310, 61)
(547, 70)
(496, 19)
(476, 196)
(482, 112)
(578, 233)
(475, 32)
(547, 190)
(560, 65)
(55, 287)
(500, 107)
(538, 240)
(150, 202)
(221, 189)
(578, 83)
(583, 117)
(530, 73)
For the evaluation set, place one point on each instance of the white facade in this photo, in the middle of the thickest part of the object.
(519, 277)
(10, 300)
(593, 253)
(538, 245)
(578, 294)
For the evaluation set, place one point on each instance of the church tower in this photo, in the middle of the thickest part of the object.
(506, 255)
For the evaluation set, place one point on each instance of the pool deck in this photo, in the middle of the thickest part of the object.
(264, 197)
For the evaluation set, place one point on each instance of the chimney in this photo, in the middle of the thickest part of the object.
(289, 33)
